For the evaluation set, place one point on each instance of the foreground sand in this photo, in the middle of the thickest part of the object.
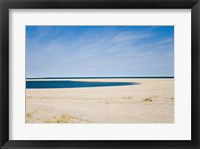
(150, 102)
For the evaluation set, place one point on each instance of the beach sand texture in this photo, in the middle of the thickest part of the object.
(152, 101)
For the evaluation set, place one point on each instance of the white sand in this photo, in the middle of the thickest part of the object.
(150, 102)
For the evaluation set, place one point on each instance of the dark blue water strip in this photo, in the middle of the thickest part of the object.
(72, 84)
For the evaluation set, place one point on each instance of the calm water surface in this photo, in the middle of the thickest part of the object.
(72, 84)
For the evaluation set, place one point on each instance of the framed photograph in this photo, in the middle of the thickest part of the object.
(99, 74)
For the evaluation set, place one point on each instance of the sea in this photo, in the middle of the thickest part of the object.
(65, 82)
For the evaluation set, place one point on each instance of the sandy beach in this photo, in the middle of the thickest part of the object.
(152, 101)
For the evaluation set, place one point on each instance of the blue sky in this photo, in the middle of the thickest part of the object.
(99, 51)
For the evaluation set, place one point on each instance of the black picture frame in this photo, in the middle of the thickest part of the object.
(5, 5)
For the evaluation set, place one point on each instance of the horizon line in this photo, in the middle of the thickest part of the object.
(98, 77)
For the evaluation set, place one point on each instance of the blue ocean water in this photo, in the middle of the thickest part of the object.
(72, 84)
